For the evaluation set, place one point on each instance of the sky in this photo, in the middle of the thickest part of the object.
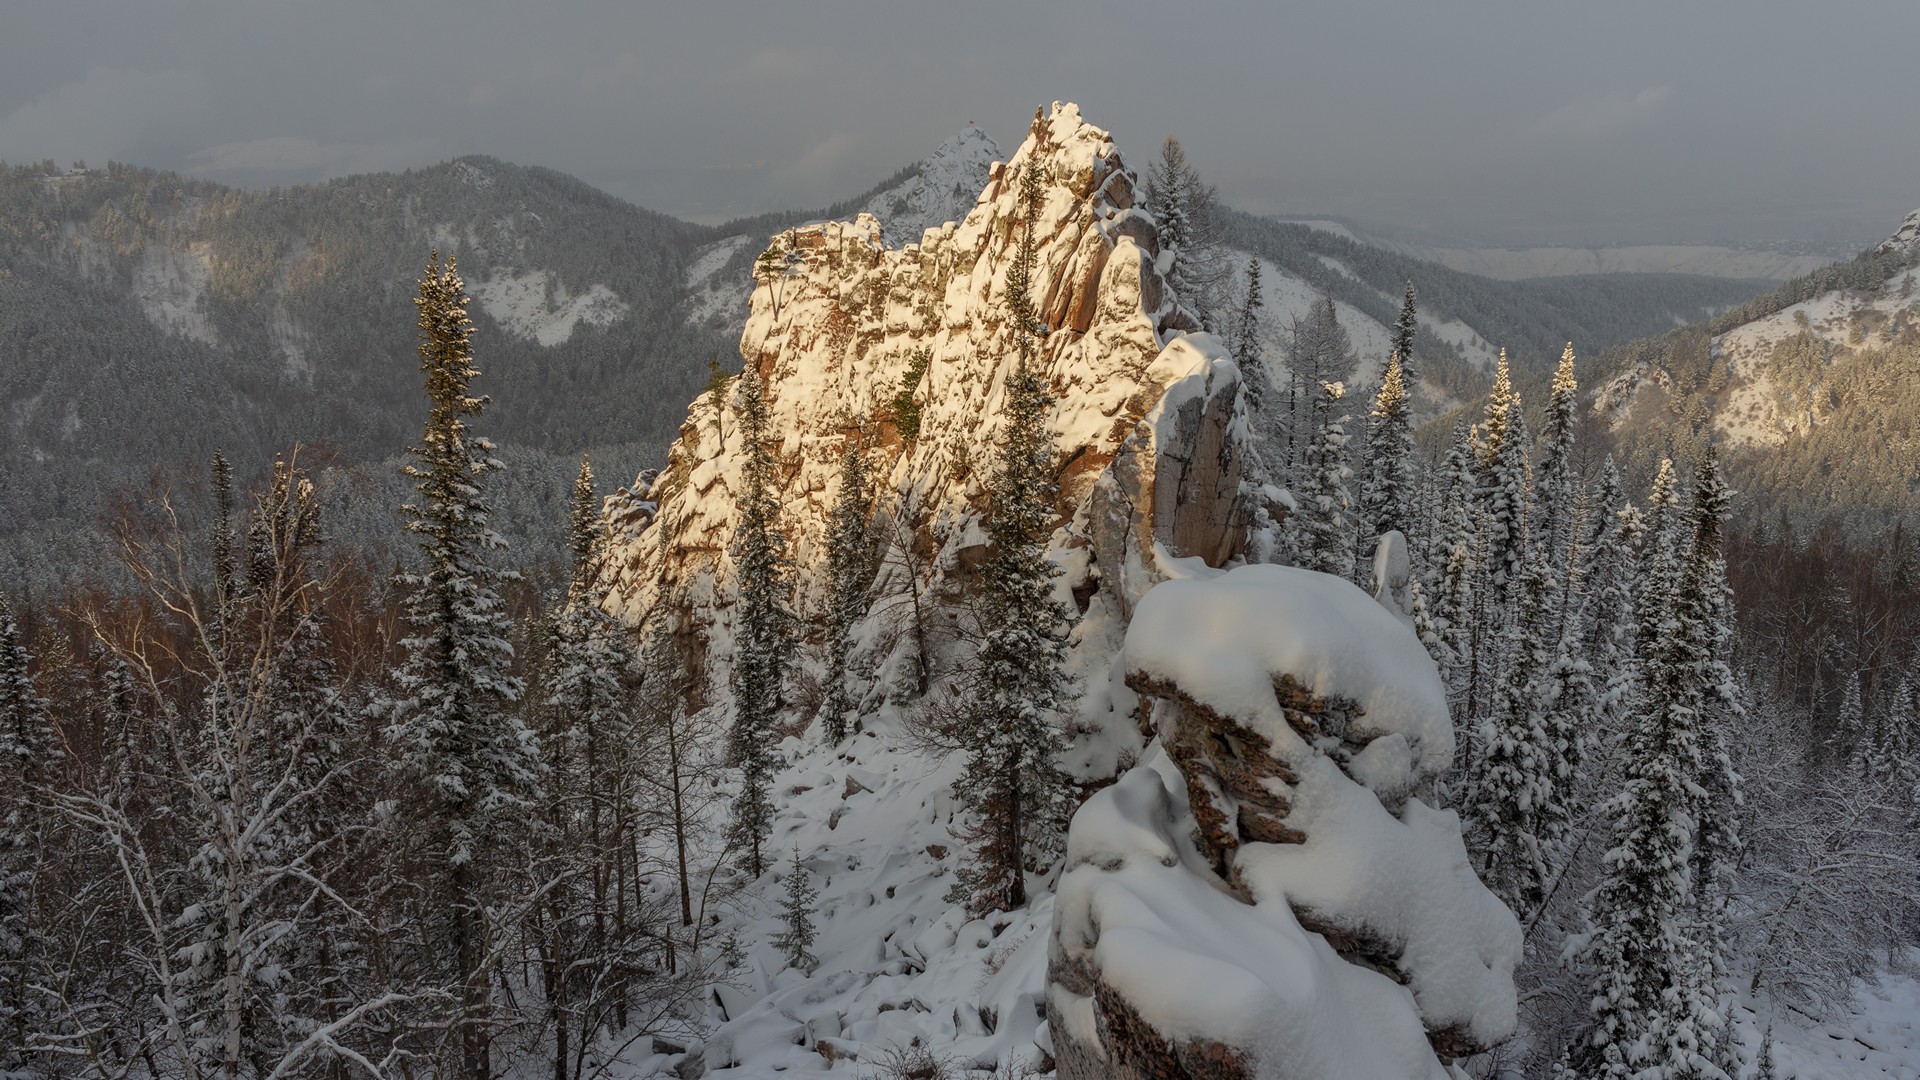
(1510, 124)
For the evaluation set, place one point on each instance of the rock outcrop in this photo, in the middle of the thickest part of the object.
(1266, 897)
(1147, 415)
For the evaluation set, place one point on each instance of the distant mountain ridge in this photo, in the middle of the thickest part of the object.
(147, 318)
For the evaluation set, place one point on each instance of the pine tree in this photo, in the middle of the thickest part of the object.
(1387, 493)
(852, 559)
(1016, 797)
(1850, 721)
(455, 729)
(764, 639)
(226, 569)
(1608, 612)
(795, 940)
(1661, 545)
(1246, 338)
(1718, 846)
(1651, 939)
(1453, 557)
(1517, 804)
(1325, 525)
(1502, 460)
(1187, 228)
(1556, 489)
(1403, 331)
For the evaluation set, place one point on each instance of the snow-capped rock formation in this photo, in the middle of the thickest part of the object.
(1266, 897)
(1904, 240)
(1146, 421)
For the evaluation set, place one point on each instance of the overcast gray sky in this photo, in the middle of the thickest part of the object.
(1512, 123)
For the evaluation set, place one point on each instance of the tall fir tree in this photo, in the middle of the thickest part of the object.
(1016, 796)
(1502, 460)
(1387, 490)
(1325, 519)
(1607, 616)
(1246, 338)
(455, 730)
(1556, 488)
(1517, 807)
(1707, 597)
(852, 559)
(1662, 544)
(1656, 1003)
(1403, 331)
(765, 627)
(1453, 557)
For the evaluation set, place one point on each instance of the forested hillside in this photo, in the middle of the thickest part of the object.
(1811, 387)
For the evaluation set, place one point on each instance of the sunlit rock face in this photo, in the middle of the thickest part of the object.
(1147, 414)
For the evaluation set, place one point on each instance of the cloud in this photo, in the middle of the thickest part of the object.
(108, 113)
(1601, 115)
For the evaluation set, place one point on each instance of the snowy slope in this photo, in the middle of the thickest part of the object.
(1750, 410)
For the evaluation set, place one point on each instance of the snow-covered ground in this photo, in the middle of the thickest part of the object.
(1880, 1037)
(170, 286)
(533, 304)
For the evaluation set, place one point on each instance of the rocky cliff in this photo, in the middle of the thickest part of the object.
(1147, 421)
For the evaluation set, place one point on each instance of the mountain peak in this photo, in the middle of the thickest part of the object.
(1904, 239)
(943, 188)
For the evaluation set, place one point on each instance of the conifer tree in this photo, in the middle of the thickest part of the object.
(1607, 615)
(765, 629)
(1318, 351)
(1387, 491)
(795, 940)
(852, 559)
(1246, 338)
(1662, 543)
(1187, 228)
(1652, 943)
(1517, 806)
(455, 728)
(1850, 720)
(1454, 559)
(1556, 488)
(1707, 597)
(1403, 331)
(1325, 519)
(1016, 796)
(1502, 460)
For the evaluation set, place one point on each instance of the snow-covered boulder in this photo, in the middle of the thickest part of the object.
(1266, 896)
